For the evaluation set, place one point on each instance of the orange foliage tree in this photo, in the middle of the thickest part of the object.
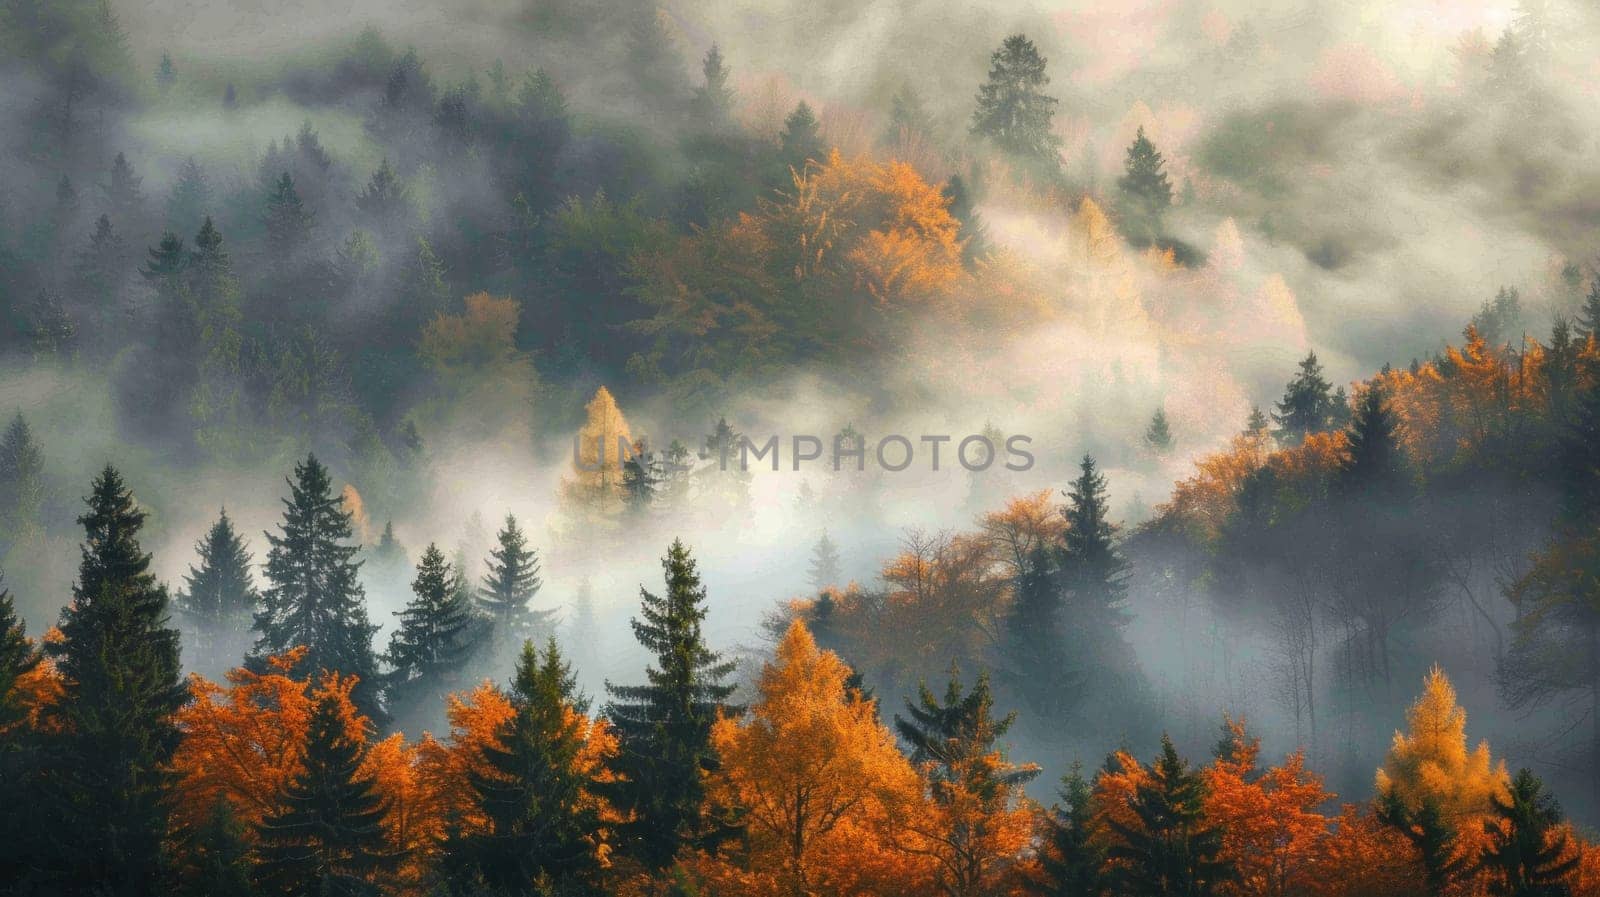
(1272, 828)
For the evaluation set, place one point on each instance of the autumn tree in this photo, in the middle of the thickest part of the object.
(1270, 819)
(1012, 109)
(593, 494)
(219, 597)
(664, 726)
(1169, 846)
(434, 642)
(1430, 763)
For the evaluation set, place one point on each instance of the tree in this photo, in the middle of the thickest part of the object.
(433, 644)
(190, 200)
(1432, 836)
(216, 857)
(326, 837)
(824, 569)
(18, 658)
(386, 201)
(818, 778)
(104, 776)
(230, 97)
(424, 293)
(510, 586)
(713, 100)
(973, 234)
(1430, 764)
(1375, 466)
(1158, 436)
(286, 219)
(1588, 323)
(641, 479)
(1071, 861)
(100, 274)
(908, 118)
(1013, 110)
(1527, 852)
(1145, 192)
(1257, 422)
(664, 726)
(316, 598)
(1033, 653)
(219, 597)
(1307, 404)
(801, 138)
(166, 76)
(21, 483)
(536, 793)
(593, 495)
(124, 194)
(1093, 570)
(1170, 847)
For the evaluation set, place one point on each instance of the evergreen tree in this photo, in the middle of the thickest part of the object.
(432, 645)
(1071, 862)
(326, 835)
(1307, 404)
(1375, 465)
(1170, 848)
(1013, 111)
(1145, 192)
(1094, 573)
(286, 219)
(219, 598)
(99, 277)
(664, 726)
(801, 138)
(166, 76)
(653, 62)
(216, 857)
(1034, 659)
(1158, 436)
(215, 291)
(18, 746)
(21, 484)
(1589, 316)
(1525, 846)
(386, 201)
(17, 658)
(973, 234)
(190, 201)
(824, 569)
(104, 804)
(124, 194)
(1431, 835)
(908, 118)
(315, 598)
(511, 585)
(1257, 422)
(713, 100)
(959, 737)
(641, 479)
(536, 795)
(424, 294)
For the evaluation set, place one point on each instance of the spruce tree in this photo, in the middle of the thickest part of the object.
(1145, 193)
(537, 797)
(104, 804)
(824, 569)
(18, 658)
(1588, 323)
(801, 139)
(326, 835)
(190, 201)
(315, 598)
(219, 599)
(1013, 111)
(216, 857)
(1158, 436)
(99, 276)
(213, 286)
(433, 644)
(1375, 466)
(1093, 571)
(424, 294)
(713, 100)
(1307, 404)
(1257, 422)
(1072, 861)
(972, 233)
(1033, 658)
(1432, 836)
(18, 746)
(21, 484)
(664, 726)
(386, 201)
(511, 585)
(908, 118)
(286, 219)
(641, 480)
(1170, 848)
(166, 75)
(124, 194)
(1526, 848)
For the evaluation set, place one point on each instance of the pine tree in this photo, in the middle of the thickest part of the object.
(286, 219)
(972, 234)
(18, 657)
(424, 294)
(1145, 192)
(433, 644)
(190, 201)
(1094, 573)
(713, 100)
(1525, 846)
(166, 76)
(216, 857)
(664, 727)
(1375, 465)
(511, 585)
(1033, 657)
(219, 598)
(326, 835)
(1306, 406)
(1013, 110)
(824, 569)
(99, 276)
(959, 737)
(18, 747)
(21, 484)
(1257, 422)
(536, 794)
(386, 200)
(124, 193)
(1589, 316)
(316, 599)
(104, 803)
(801, 139)
(213, 286)
(1072, 860)
(908, 118)
(1432, 836)
(1170, 848)
(1158, 436)
(641, 480)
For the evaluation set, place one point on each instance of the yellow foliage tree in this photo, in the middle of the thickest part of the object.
(1431, 762)
(592, 494)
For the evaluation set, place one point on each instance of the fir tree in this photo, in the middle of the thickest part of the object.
(959, 737)
(1525, 844)
(286, 219)
(424, 294)
(1158, 436)
(1072, 860)
(1307, 404)
(973, 234)
(215, 291)
(664, 727)
(18, 746)
(326, 835)
(1375, 465)
(713, 100)
(1432, 836)
(1093, 570)
(219, 598)
(801, 138)
(386, 200)
(641, 480)
(432, 645)
(1013, 111)
(1588, 323)
(1034, 659)
(511, 585)
(536, 795)
(190, 201)
(1145, 192)
(315, 598)
(824, 569)
(124, 193)
(1170, 848)
(166, 76)
(1257, 422)
(99, 276)
(908, 118)
(216, 857)
(21, 484)
(104, 803)
(17, 658)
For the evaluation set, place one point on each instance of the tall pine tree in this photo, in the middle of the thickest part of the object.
(1145, 193)
(1072, 861)
(219, 598)
(511, 585)
(434, 641)
(1013, 110)
(1306, 406)
(1170, 847)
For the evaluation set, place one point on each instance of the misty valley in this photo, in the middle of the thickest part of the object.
(642, 448)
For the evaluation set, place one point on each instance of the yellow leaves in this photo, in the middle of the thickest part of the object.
(1431, 761)
(350, 499)
(1206, 499)
(482, 338)
(1026, 524)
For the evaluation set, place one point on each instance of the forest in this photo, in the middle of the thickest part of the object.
(383, 396)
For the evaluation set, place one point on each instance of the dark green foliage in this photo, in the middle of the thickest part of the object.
(99, 277)
(124, 193)
(287, 222)
(166, 76)
(955, 735)
(1307, 406)
(909, 120)
(1013, 110)
(1432, 836)
(641, 479)
(1093, 571)
(713, 100)
(190, 201)
(1071, 861)
(1589, 316)
(1144, 193)
(1257, 421)
(315, 598)
(801, 139)
(664, 726)
(1172, 849)
(543, 826)
(386, 201)
(216, 857)
(1375, 466)
(17, 658)
(103, 811)
(219, 598)
(1158, 436)
(18, 749)
(1500, 321)
(824, 569)
(511, 585)
(1525, 851)
(973, 234)
(434, 642)
(21, 483)
(326, 835)
(1034, 658)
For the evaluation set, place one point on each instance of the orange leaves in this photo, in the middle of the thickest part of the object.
(1362, 857)
(1272, 827)
(1208, 498)
(482, 337)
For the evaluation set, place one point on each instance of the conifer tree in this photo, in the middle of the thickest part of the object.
(1588, 323)
(1093, 570)
(1306, 406)
(959, 737)
(18, 747)
(190, 201)
(219, 598)
(801, 139)
(824, 569)
(641, 479)
(1145, 193)
(1257, 422)
(1375, 466)
(124, 193)
(215, 291)
(1170, 848)
(908, 117)
(1034, 660)
(511, 585)
(21, 483)
(1158, 436)
(1012, 109)
(18, 658)
(536, 795)
(664, 726)
(713, 100)
(166, 76)
(99, 276)
(104, 802)
(433, 643)
(424, 294)
(315, 598)
(1526, 848)
(326, 835)
(972, 234)
(216, 857)
(286, 219)
(1430, 833)
(1072, 860)
(386, 200)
